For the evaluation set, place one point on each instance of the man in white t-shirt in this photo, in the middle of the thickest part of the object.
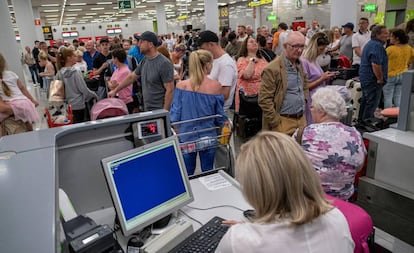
(359, 40)
(224, 67)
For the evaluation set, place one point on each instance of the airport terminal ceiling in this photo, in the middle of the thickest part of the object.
(86, 11)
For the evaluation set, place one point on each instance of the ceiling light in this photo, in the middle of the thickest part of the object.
(141, 6)
(71, 15)
(109, 12)
(104, 3)
(91, 14)
(74, 9)
(71, 18)
(153, 1)
(77, 4)
(50, 10)
(49, 5)
(97, 8)
(115, 8)
(120, 15)
(52, 16)
(88, 17)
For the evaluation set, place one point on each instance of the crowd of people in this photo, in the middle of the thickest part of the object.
(199, 74)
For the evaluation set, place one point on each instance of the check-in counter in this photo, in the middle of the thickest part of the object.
(34, 165)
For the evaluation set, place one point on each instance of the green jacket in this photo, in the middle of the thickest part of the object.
(273, 89)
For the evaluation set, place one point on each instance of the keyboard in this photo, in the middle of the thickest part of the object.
(205, 239)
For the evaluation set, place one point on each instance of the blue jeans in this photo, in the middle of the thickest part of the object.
(206, 160)
(392, 91)
(371, 96)
(33, 72)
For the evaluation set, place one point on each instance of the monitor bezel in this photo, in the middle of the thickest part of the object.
(115, 200)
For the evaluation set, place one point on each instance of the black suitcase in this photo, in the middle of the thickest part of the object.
(247, 127)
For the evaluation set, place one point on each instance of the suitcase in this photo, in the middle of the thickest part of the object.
(247, 127)
(354, 88)
(359, 222)
(11, 126)
(347, 120)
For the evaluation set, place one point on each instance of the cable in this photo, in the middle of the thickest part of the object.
(213, 207)
(191, 218)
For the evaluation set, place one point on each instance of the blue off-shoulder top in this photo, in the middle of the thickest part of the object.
(189, 105)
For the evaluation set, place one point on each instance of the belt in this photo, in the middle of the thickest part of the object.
(294, 116)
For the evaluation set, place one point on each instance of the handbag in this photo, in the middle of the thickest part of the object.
(249, 105)
(57, 90)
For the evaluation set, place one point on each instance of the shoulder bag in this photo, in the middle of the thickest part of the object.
(57, 90)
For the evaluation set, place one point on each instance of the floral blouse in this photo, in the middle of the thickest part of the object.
(336, 151)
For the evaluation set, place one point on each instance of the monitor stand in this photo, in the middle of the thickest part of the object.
(162, 223)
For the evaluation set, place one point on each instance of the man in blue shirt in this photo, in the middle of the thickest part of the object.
(373, 72)
(90, 54)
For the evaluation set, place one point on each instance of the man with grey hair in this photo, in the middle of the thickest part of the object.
(373, 72)
(314, 29)
(284, 89)
(249, 31)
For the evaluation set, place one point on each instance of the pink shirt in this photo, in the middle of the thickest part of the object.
(119, 75)
(250, 86)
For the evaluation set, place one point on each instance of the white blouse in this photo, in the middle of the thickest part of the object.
(327, 233)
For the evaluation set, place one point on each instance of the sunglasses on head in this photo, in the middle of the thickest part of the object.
(323, 40)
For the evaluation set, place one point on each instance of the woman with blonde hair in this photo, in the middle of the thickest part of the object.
(316, 77)
(76, 91)
(48, 73)
(15, 94)
(197, 97)
(292, 214)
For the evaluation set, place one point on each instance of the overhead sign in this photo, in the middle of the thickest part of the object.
(182, 17)
(224, 20)
(369, 8)
(259, 2)
(125, 4)
(271, 17)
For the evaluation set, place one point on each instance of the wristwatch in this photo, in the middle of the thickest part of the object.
(252, 59)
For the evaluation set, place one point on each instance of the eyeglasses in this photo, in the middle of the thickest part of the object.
(297, 46)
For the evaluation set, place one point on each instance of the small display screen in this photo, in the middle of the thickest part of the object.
(149, 128)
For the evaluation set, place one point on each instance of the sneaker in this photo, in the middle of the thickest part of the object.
(36, 85)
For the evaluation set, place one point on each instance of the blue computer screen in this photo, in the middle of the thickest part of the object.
(147, 180)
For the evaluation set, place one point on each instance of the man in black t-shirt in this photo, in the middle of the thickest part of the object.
(35, 53)
(100, 66)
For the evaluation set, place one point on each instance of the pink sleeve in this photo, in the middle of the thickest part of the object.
(241, 66)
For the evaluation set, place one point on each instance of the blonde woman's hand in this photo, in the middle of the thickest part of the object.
(232, 222)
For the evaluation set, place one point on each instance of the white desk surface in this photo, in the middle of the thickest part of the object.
(205, 198)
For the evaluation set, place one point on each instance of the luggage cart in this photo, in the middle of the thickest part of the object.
(61, 120)
(221, 142)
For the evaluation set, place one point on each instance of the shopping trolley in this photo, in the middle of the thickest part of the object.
(224, 159)
(59, 120)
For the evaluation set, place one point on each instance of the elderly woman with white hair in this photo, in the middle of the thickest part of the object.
(336, 150)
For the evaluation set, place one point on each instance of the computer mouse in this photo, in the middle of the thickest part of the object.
(249, 214)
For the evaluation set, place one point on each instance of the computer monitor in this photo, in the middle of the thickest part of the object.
(147, 183)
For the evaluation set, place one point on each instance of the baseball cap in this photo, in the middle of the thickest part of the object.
(148, 36)
(349, 25)
(207, 36)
